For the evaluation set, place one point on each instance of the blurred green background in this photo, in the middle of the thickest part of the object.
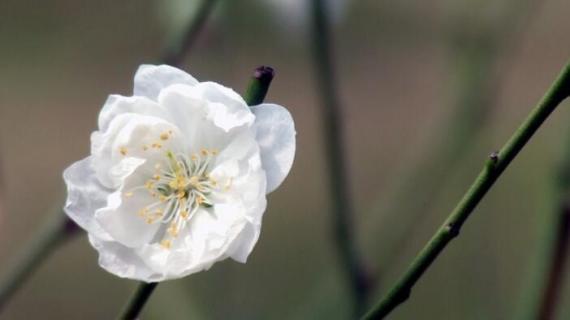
(428, 90)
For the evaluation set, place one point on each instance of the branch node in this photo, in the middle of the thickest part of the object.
(452, 229)
(493, 160)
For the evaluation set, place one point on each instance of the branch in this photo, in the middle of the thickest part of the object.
(342, 227)
(496, 164)
(175, 52)
(137, 301)
(559, 258)
(56, 233)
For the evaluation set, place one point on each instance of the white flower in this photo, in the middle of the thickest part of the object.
(178, 175)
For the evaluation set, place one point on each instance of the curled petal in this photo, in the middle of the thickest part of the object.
(121, 221)
(85, 194)
(117, 105)
(220, 105)
(248, 237)
(122, 261)
(129, 140)
(151, 79)
(276, 137)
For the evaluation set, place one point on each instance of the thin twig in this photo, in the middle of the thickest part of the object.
(550, 265)
(558, 261)
(475, 54)
(496, 164)
(345, 243)
(56, 233)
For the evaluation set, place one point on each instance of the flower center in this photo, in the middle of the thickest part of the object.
(181, 187)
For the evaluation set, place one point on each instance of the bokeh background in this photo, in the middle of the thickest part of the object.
(428, 90)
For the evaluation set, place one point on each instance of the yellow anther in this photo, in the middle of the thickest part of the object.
(204, 152)
(194, 157)
(123, 150)
(166, 244)
(142, 212)
(199, 200)
(228, 184)
(180, 194)
(128, 194)
(162, 198)
(149, 184)
(194, 181)
(164, 136)
(156, 145)
(149, 220)
(215, 151)
(184, 214)
(156, 177)
(173, 230)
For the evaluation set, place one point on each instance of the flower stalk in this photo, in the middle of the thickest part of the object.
(342, 228)
(494, 167)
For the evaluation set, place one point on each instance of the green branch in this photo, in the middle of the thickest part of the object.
(342, 206)
(50, 238)
(175, 52)
(546, 277)
(136, 303)
(496, 164)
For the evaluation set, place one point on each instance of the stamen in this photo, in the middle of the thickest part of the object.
(166, 244)
(182, 186)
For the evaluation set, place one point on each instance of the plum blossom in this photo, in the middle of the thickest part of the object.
(178, 175)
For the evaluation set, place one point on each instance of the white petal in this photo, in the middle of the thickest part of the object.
(122, 261)
(130, 138)
(85, 194)
(276, 137)
(206, 123)
(216, 231)
(245, 242)
(120, 219)
(248, 237)
(116, 105)
(151, 79)
(227, 109)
